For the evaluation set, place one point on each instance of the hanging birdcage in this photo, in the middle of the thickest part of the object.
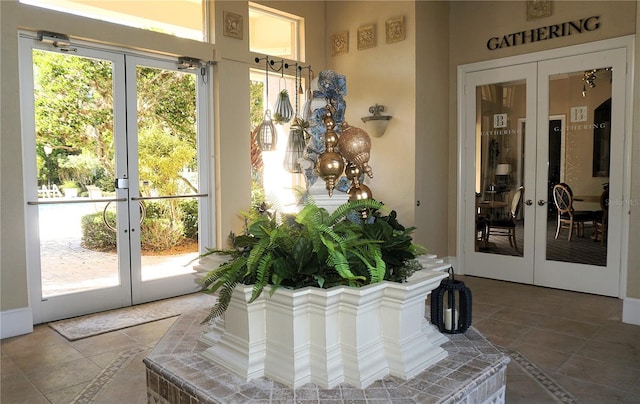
(295, 147)
(267, 137)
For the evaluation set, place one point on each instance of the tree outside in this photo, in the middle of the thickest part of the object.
(74, 101)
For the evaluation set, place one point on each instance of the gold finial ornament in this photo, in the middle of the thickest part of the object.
(330, 167)
(357, 191)
(351, 148)
(330, 163)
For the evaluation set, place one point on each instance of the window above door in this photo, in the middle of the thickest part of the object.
(181, 18)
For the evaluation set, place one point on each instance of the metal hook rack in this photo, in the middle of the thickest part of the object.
(279, 66)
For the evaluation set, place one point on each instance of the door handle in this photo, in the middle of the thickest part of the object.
(541, 202)
(528, 202)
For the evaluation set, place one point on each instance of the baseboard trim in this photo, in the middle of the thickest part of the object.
(631, 311)
(16, 322)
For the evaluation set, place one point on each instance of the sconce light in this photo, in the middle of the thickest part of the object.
(376, 123)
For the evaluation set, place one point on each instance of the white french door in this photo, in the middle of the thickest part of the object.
(128, 135)
(526, 127)
(498, 103)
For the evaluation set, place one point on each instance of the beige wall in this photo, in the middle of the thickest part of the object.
(469, 32)
(432, 179)
(386, 75)
(231, 112)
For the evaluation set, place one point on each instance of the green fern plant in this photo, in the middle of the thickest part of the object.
(314, 248)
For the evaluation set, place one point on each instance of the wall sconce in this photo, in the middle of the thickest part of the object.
(376, 123)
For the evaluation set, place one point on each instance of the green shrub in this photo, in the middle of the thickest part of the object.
(155, 210)
(157, 233)
(97, 236)
(105, 182)
(189, 210)
(160, 234)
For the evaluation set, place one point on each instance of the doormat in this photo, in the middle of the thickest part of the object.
(112, 320)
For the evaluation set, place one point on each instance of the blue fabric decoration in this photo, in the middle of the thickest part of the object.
(332, 87)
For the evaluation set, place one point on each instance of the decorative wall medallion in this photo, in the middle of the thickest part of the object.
(340, 43)
(395, 29)
(367, 36)
(232, 24)
(538, 9)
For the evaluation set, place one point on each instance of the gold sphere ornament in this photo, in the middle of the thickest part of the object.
(330, 168)
(355, 147)
(352, 172)
(330, 139)
(328, 120)
(359, 192)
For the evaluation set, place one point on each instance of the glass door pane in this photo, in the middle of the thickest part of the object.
(579, 158)
(580, 171)
(167, 165)
(73, 125)
(74, 121)
(499, 175)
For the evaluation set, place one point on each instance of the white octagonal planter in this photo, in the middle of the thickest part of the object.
(330, 336)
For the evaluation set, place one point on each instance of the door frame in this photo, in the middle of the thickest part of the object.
(626, 43)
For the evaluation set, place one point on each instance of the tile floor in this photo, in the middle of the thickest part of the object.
(576, 339)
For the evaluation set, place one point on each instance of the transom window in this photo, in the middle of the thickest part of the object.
(274, 33)
(181, 18)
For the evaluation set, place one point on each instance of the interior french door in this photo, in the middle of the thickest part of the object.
(127, 132)
(527, 127)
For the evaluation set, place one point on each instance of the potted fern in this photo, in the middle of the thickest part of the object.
(314, 248)
(337, 292)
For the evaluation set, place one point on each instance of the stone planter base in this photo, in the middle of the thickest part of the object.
(473, 372)
(330, 336)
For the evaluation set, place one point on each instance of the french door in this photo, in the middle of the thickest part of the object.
(525, 128)
(116, 177)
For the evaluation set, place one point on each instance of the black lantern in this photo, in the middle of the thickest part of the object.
(451, 305)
